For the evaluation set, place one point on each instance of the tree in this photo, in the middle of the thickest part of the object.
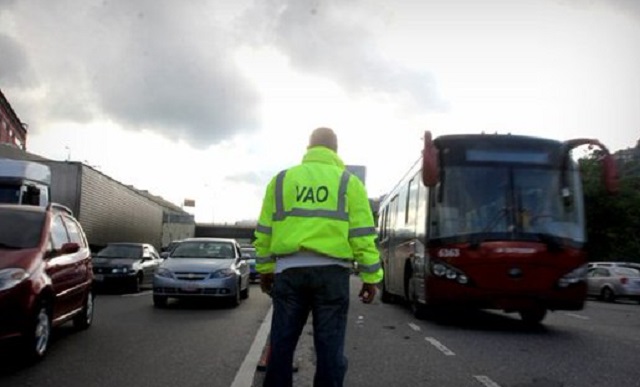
(613, 222)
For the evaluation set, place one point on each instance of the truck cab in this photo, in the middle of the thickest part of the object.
(24, 182)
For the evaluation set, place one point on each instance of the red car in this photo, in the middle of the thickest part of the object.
(45, 275)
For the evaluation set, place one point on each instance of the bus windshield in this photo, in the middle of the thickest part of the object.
(507, 201)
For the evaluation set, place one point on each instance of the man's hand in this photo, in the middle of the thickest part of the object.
(367, 293)
(266, 282)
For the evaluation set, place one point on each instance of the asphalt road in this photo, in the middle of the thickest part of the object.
(387, 346)
(134, 344)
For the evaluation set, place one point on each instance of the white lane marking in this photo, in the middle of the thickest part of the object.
(581, 317)
(247, 370)
(414, 327)
(440, 346)
(145, 293)
(486, 381)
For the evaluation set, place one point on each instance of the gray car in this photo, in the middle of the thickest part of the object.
(126, 266)
(613, 282)
(202, 268)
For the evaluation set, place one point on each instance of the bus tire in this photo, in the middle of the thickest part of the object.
(385, 296)
(418, 310)
(533, 316)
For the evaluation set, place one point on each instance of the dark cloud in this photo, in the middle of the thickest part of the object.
(333, 39)
(14, 66)
(160, 65)
(169, 66)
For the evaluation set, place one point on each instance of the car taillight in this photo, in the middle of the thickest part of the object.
(624, 280)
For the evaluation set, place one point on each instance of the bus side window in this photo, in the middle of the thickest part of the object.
(382, 223)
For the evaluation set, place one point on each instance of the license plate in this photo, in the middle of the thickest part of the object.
(189, 288)
(98, 277)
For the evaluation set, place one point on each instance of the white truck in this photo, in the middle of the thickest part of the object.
(108, 210)
(24, 182)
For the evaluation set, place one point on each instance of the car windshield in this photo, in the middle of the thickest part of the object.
(25, 231)
(120, 251)
(248, 252)
(204, 249)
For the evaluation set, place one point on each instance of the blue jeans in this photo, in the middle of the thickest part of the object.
(323, 291)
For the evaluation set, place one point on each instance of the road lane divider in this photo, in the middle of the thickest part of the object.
(579, 316)
(414, 327)
(441, 347)
(247, 370)
(486, 381)
(139, 294)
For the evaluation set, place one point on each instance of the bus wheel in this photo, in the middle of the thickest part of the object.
(385, 296)
(418, 310)
(533, 316)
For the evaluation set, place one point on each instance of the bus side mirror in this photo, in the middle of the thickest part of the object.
(609, 169)
(430, 167)
(610, 174)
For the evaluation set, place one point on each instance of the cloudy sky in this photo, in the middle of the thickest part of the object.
(206, 100)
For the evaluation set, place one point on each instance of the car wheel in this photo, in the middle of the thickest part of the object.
(159, 301)
(244, 294)
(136, 282)
(36, 339)
(84, 319)
(607, 295)
(235, 299)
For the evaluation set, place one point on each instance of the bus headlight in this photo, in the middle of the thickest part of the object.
(439, 270)
(443, 270)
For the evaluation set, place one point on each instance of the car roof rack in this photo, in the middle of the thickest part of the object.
(60, 208)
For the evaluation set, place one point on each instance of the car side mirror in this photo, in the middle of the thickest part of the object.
(69, 248)
(164, 254)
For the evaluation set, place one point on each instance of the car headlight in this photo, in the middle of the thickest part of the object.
(120, 270)
(573, 277)
(224, 273)
(12, 277)
(162, 272)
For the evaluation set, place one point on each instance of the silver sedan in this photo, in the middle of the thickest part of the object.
(614, 282)
(203, 267)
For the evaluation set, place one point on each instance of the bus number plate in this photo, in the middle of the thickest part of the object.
(447, 253)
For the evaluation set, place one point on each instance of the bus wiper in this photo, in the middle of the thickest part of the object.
(553, 243)
(9, 247)
(480, 237)
(494, 221)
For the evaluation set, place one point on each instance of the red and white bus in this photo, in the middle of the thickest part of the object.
(489, 222)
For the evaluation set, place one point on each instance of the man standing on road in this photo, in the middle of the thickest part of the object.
(315, 222)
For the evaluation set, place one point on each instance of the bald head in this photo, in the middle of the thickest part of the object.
(323, 137)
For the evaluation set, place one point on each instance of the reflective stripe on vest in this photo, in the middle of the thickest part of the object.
(362, 231)
(339, 214)
(263, 229)
(369, 268)
(264, 260)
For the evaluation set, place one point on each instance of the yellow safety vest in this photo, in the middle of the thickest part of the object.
(318, 206)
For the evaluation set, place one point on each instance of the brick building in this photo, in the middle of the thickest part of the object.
(12, 130)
